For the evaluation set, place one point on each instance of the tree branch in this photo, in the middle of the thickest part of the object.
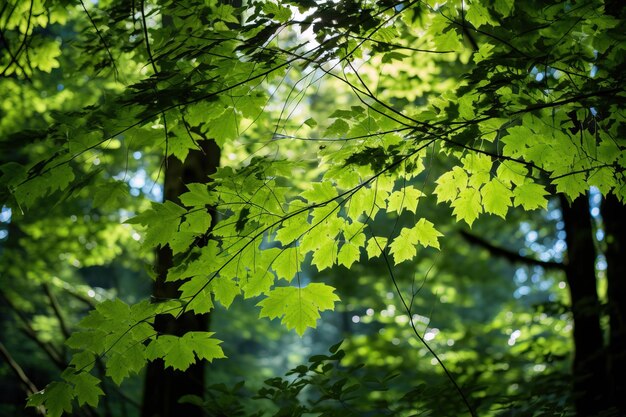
(57, 311)
(27, 384)
(54, 355)
(509, 255)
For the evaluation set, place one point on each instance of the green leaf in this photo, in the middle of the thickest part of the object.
(479, 168)
(450, 184)
(375, 245)
(298, 307)
(516, 141)
(179, 143)
(483, 53)
(366, 201)
(572, 185)
(175, 353)
(258, 281)
(83, 360)
(338, 128)
(225, 290)
(197, 292)
(196, 222)
(478, 15)
(12, 174)
(426, 234)
(111, 195)
(225, 127)
(348, 254)
(122, 362)
(405, 199)
(293, 228)
(287, 264)
(226, 13)
(251, 103)
(393, 56)
(280, 13)
(81, 340)
(512, 173)
(602, 178)
(325, 255)
(162, 223)
(467, 206)
(530, 196)
(58, 398)
(448, 41)
(504, 7)
(119, 331)
(496, 198)
(87, 389)
(423, 233)
(466, 107)
(37, 399)
(198, 195)
(46, 57)
(58, 178)
(204, 345)
(320, 192)
(403, 246)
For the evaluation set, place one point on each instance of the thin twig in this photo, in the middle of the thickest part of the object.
(419, 337)
(27, 384)
(50, 350)
(57, 311)
(106, 47)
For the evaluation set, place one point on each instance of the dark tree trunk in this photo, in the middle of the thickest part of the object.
(614, 216)
(589, 368)
(164, 387)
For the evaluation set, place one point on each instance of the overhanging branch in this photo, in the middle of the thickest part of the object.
(509, 255)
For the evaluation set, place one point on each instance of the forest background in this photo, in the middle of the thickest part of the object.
(312, 208)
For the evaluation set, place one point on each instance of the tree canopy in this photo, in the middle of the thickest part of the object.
(314, 156)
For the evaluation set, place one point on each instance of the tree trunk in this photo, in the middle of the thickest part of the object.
(614, 217)
(589, 367)
(164, 387)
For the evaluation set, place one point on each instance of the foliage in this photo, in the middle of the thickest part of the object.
(484, 109)
(327, 386)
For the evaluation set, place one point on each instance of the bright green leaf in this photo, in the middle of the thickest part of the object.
(426, 234)
(403, 246)
(405, 199)
(375, 245)
(348, 254)
(530, 196)
(467, 206)
(298, 307)
(496, 198)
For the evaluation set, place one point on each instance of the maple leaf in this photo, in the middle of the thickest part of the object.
(467, 206)
(86, 388)
(530, 196)
(180, 352)
(298, 307)
(496, 198)
(375, 246)
(423, 233)
(404, 199)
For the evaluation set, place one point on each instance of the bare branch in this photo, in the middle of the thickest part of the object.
(27, 384)
(509, 255)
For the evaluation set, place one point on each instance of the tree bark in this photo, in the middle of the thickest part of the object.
(614, 217)
(164, 387)
(589, 366)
